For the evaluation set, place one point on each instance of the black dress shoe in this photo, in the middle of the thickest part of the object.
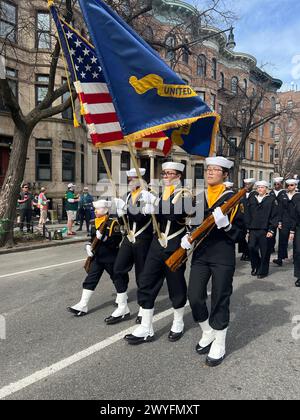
(214, 362)
(297, 283)
(110, 320)
(278, 262)
(253, 272)
(172, 336)
(133, 340)
(262, 276)
(243, 257)
(203, 350)
(246, 258)
(75, 311)
(138, 320)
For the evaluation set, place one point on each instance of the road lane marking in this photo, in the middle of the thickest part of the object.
(40, 268)
(14, 387)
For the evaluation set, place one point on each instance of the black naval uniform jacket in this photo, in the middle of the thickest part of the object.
(108, 247)
(135, 215)
(281, 199)
(262, 216)
(219, 246)
(295, 211)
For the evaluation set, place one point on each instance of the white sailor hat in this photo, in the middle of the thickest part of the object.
(132, 172)
(278, 179)
(292, 181)
(176, 166)
(261, 184)
(249, 180)
(71, 185)
(228, 184)
(219, 161)
(100, 204)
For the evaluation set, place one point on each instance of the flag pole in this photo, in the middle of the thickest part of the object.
(103, 157)
(136, 167)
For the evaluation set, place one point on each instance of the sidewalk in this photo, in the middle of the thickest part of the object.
(46, 243)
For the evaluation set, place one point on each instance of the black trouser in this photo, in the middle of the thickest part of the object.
(297, 253)
(221, 290)
(243, 244)
(260, 251)
(272, 242)
(96, 270)
(154, 273)
(85, 214)
(25, 214)
(284, 234)
(130, 254)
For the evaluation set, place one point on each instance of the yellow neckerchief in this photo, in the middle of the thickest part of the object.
(134, 194)
(168, 191)
(213, 193)
(99, 221)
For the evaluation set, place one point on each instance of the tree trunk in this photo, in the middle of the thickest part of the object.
(11, 186)
(236, 168)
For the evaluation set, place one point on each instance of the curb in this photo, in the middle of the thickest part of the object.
(40, 246)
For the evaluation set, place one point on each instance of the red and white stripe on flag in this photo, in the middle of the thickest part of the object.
(163, 146)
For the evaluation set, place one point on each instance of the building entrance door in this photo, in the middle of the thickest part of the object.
(4, 159)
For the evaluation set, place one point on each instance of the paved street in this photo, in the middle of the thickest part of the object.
(91, 360)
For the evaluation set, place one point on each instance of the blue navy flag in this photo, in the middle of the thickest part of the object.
(148, 96)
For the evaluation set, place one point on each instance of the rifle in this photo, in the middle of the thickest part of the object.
(88, 262)
(180, 255)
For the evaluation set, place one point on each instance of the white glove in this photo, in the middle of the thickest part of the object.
(89, 251)
(99, 234)
(119, 203)
(148, 197)
(149, 209)
(120, 212)
(185, 243)
(221, 219)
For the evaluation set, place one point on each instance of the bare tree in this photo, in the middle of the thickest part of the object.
(245, 112)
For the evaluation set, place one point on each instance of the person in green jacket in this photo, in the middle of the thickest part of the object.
(71, 207)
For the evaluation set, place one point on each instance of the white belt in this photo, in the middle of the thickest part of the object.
(132, 234)
(165, 237)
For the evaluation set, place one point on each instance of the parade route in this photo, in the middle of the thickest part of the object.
(50, 354)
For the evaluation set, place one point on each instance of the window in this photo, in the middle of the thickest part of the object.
(47, 143)
(243, 176)
(199, 172)
(232, 147)
(185, 52)
(125, 161)
(276, 153)
(68, 166)
(170, 43)
(221, 109)
(214, 69)
(290, 104)
(43, 165)
(221, 81)
(8, 21)
(261, 104)
(219, 150)
(12, 77)
(68, 144)
(245, 85)
(67, 114)
(273, 103)
(271, 178)
(201, 65)
(101, 168)
(251, 174)
(234, 85)
(272, 130)
(213, 101)
(43, 40)
(290, 123)
(288, 153)
(261, 152)
(271, 154)
(201, 94)
(261, 175)
(261, 131)
(251, 151)
(41, 87)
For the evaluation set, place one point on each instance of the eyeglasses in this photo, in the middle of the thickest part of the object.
(25, 187)
(166, 173)
(291, 185)
(214, 170)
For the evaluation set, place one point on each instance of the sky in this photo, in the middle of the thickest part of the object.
(270, 31)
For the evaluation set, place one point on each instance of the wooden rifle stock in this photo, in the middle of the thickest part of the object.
(176, 259)
(88, 262)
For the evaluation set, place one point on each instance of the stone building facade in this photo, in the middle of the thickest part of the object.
(58, 153)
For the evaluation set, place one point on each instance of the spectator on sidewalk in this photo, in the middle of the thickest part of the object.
(85, 209)
(43, 206)
(71, 207)
(25, 207)
(35, 206)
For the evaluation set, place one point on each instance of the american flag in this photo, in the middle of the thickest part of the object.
(87, 76)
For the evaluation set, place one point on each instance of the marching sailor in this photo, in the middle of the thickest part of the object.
(215, 259)
(277, 192)
(250, 194)
(261, 221)
(171, 209)
(107, 230)
(135, 246)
